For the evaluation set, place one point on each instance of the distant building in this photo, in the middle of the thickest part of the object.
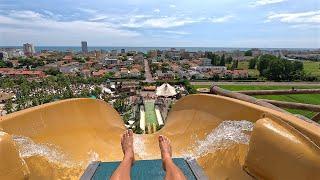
(13, 53)
(10, 72)
(139, 57)
(114, 53)
(108, 61)
(123, 51)
(240, 74)
(134, 72)
(256, 52)
(153, 53)
(28, 49)
(67, 59)
(205, 62)
(100, 73)
(84, 46)
(3, 56)
(70, 68)
(165, 76)
(209, 68)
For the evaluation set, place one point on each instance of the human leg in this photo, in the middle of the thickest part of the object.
(123, 170)
(172, 171)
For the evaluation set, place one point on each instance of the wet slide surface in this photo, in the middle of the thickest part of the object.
(59, 140)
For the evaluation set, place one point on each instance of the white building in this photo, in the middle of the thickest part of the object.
(166, 90)
(3, 56)
(108, 61)
(209, 68)
(28, 49)
(13, 53)
(205, 61)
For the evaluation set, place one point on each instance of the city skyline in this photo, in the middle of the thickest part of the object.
(140, 23)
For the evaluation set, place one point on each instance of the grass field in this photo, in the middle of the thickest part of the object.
(312, 68)
(151, 117)
(301, 98)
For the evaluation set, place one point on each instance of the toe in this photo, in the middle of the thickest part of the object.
(130, 132)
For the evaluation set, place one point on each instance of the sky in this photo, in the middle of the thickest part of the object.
(161, 23)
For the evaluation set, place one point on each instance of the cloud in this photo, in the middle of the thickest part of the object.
(160, 22)
(100, 17)
(87, 10)
(172, 6)
(156, 10)
(305, 26)
(265, 2)
(308, 17)
(165, 22)
(52, 15)
(221, 19)
(178, 32)
(36, 22)
(25, 14)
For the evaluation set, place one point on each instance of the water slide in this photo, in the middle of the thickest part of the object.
(230, 139)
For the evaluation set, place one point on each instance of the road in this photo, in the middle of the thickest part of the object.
(147, 73)
(259, 83)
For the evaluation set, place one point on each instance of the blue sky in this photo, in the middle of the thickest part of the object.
(185, 23)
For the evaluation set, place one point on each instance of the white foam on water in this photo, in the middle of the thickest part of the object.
(226, 134)
(139, 147)
(28, 148)
(93, 156)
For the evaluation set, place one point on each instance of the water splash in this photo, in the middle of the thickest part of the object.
(93, 156)
(28, 148)
(139, 147)
(226, 134)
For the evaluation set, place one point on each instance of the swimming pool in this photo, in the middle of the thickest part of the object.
(150, 115)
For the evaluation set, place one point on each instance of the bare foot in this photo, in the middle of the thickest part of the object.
(127, 145)
(165, 148)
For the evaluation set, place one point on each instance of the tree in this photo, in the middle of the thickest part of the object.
(97, 91)
(186, 66)
(248, 53)
(234, 65)
(229, 59)
(222, 60)
(165, 67)
(215, 59)
(263, 63)
(52, 72)
(297, 66)
(119, 105)
(252, 63)
(6, 64)
(8, 107)
(277, 69)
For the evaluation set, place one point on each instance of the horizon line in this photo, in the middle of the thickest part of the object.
(94, 46)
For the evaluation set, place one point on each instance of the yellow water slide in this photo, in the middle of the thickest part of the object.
(230, 139)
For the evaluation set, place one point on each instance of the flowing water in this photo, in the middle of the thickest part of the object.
(226, 134)
(28, 148)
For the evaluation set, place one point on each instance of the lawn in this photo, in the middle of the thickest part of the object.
(301, 98)
(254, 87)
(151, 117)
(312, 68)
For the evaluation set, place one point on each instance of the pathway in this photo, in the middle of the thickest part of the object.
(147, 71)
